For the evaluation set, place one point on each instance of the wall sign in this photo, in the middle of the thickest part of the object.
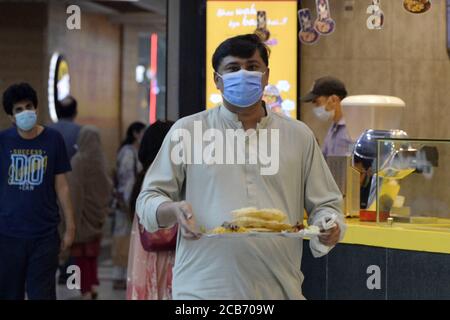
(324, 24)
(376, 19)
(307, 34)
(417, 6)
(261, 26)
(58, 83)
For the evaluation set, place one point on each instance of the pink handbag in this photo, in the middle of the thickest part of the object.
(161, 240)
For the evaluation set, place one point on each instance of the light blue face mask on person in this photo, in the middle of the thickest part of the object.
(26, 120)
(242, 88)
(322, 113)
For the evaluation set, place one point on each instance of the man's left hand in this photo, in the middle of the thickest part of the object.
(331, 236)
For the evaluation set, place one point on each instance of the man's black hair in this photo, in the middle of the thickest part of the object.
(16, 93)
(242, 46)
(67, 108)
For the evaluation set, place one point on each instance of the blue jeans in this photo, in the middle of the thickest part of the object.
(28, 265)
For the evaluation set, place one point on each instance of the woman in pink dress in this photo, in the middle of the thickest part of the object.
(149, 272)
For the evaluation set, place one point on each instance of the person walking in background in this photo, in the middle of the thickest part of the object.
(326, 95)
(91, 189)
(149, 272)
(33, 167)
(127, 168)
(67, 110)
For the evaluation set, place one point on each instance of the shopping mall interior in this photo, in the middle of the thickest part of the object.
(146, 60)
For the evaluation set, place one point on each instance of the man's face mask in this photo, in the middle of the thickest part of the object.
(26, 120)
(323, 114)
(242, 88)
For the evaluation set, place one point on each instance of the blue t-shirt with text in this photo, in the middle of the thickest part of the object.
(28, 200)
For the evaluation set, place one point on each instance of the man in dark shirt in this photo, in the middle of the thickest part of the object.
(67, 111)
(33, 163)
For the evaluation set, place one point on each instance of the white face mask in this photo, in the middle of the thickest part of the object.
(323, 114)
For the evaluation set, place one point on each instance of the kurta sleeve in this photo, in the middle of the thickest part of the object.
(322, 195)
(163, 181)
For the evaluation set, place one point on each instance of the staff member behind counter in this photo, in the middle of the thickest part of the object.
(204, 195)
(364, 159)
(327, 94)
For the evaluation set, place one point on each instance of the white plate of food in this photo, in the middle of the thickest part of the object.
(304, 233)
(261, 223)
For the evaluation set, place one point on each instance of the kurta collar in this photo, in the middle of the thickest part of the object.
(233, 117)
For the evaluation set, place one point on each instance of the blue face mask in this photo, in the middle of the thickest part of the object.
(242, 88)
(26, 120)
(322, 113)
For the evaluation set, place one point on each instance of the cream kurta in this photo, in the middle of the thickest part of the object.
(241, 268)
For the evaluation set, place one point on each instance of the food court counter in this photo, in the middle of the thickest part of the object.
(426, 237)
(382, 261)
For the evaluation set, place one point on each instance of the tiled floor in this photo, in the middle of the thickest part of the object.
(105, 290)
(105, 271)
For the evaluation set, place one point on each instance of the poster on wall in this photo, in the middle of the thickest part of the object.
(275, 21)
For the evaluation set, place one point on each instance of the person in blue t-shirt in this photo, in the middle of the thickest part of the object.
(33, 164)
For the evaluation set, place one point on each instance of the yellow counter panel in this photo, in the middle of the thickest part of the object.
(404, 236)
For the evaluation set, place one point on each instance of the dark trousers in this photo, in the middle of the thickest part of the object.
(28, 265)
(63, 274)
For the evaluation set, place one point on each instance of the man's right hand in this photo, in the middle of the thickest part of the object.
(181, 212)
(186, 220)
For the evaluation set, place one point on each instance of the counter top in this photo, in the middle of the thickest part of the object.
(404, 236)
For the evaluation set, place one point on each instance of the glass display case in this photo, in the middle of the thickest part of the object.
(413, 183)
(347, 180)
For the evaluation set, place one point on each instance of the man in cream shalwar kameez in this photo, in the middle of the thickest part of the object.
(240, 268)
